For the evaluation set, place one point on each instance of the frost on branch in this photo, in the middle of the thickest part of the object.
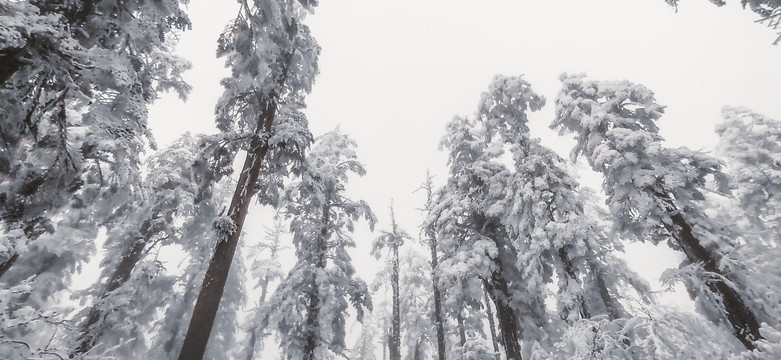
(224, 227)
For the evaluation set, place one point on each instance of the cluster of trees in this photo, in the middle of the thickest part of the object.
(516, 260)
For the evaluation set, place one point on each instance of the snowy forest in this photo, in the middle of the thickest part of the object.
(250, 241)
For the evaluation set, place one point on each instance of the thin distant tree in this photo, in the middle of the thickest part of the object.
(266, 269)
(430, 234)
(392, 239)
(308, 308)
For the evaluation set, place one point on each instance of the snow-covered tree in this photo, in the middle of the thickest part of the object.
(308, 308)
(431, 238)
(654, 193)
(415, 302)
(175, 193)
(473, 243)
(77, 79)
(273, 60)
(265, 267)
(751, 143)
(392, 240)
(365, 347)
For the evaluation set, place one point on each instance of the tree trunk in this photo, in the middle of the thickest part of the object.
(180, 316)
(461, 329)
(254, 338)
(118, 278)
(508, 324)
(10, 62)
(432, 244)
(396, 321)
(8, 263)
(213, 286)
(744, 323)
(612, 306)
(568, 268)
(491, 324)
(313, 309)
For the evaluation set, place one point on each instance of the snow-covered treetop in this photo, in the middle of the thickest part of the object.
(752, 144)
(272, 57)
(615, 129)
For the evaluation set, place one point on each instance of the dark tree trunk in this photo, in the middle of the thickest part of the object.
(491, 324)
(213, 286)
(10, 62)
(509, 327)
(744, 323)
(612, 306)
(569, 269)
(396, 321)
(432, 244)
(8, 263)
(437, 300)
(508, 324)
(461, 329)
(313, 309)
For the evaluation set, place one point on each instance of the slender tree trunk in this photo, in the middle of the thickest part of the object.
(213, 286)
(396, 322)
(313, 309)
(744, 323)
(491, 324)
(179, 316)
(432, 245)
(118, 278)
(8, 263)
(254, 338)
(461, 329)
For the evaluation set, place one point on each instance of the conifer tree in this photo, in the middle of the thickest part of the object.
(309, 306)
(654, 193)
(273, 60)
(393, 239)
(430, 234)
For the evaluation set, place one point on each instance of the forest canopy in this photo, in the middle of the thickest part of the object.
(264, 236)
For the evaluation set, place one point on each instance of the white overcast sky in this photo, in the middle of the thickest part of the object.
(393, 73)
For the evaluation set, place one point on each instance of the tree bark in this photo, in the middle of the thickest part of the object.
(569, 269)
(8, 263)
(396, 322)
(461, 329)
(491, 324)
(432, 245)
(10, 62)
(612, 306)
(508, 324)
(744, 323)
(213, 286)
